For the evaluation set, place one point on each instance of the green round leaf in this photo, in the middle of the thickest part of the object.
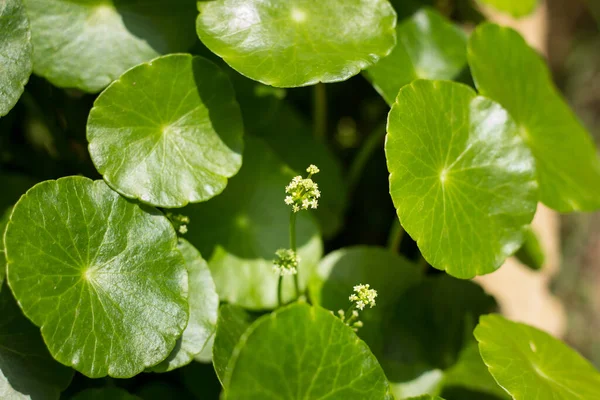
(240, 230)
(233, 322)
(429, 47)
(167, 132)
(15, 53)
(461, 178)
(86, 44)
(100, 275)
(426, 397)
(507, 70)
(547, 368)
(298, 42)
(106, 393)
(516, 8)
(27, 371)
(303, 352)
(204, 303)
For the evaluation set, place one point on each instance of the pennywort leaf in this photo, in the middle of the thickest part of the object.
(101, 276)
(516, 8)
(461, 178)
(297, 42)
(531, 252)
(167, 142)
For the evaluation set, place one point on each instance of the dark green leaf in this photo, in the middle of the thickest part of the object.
(530, 364)
(107, 393)
(233, 322)
(297, 42)
(531, 252)
(240, 230)
(27, 371)
(507, 70)
(167, 142)
(516, 8)
(461, 178)
(15, 53)
(204, 303)
(301, 352)
(429, 47)
(86, 44)
(101, 276)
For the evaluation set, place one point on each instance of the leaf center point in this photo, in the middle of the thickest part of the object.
(298, 15)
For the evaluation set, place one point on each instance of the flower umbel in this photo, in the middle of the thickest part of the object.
(303, 193)
(286, 262)
(179, 222)
(363, 296)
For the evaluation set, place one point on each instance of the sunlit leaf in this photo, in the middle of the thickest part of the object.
(516, 8)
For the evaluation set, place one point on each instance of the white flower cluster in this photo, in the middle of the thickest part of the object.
(303, 193)
(286, 262)
(363, 296)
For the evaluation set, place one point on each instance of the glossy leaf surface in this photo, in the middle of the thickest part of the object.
(86, 44)
(320, 357)
(203, 305)
(27, 371)
(461, 178)
(15, 53)
(429, 47)
(167, 142)
(297, 42)
(507, 70)
(240, 230)
(101, 276)
(548, 369)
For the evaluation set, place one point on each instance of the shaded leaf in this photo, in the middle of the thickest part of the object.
(531, 252)
(429, 47)
(507, 70)
(461, 178)
(101, 276)
(203, 302)
(303, 352)
(15, 53)
(86, 44)
(547, 368)
(167, 142)
(240, 230)
(27, 371)
(111, 393)
(297, 42)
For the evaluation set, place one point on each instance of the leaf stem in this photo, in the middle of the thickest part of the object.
(395, 236)
(293, 247)
(280, 291)
(320, 111)
(371, 143)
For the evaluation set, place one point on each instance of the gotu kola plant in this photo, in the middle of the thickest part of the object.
(163, 211)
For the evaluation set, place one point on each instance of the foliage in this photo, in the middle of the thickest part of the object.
(174, 219)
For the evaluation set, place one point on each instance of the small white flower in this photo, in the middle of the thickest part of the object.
(363, 296)
(286, 262)
(312, 169)
(183, 229)
(289, 200)
(303, 193)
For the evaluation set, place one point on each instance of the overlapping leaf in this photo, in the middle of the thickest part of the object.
(316, 356)
(87, 44)
(101, 276)
(15, 53)
(297, 42)
(507, 70)
(429, 47)
(461, 178)
(167, 142)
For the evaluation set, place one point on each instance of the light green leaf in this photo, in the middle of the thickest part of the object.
(429, 47)
(507, 70)
(426, 397)
(27, 371)
(301, 352)
(3, 222)
(341, 270)
(425, 381)
(105, 393)
(531, 252)
(167, 141)
(204, 303)
(100, 275)
(461, 178)
(516, 8)
(240, 230)
(233, 322)
(297, 42)
(470, 372)
(547, 368)
(86, 44)
(15, 53)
